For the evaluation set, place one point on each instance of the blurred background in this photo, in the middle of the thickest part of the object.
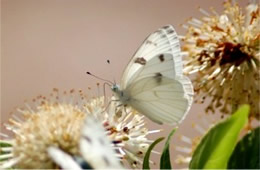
(52, 43)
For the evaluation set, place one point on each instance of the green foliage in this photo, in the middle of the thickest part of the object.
(165, 162)
(2, 145)
(218, 144)
(247, 152)
(147, 155)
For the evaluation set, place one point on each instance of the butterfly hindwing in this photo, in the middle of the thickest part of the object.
(160, 98)
(188, 88)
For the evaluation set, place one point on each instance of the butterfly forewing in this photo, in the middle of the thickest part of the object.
(159, 64)
(162, 47)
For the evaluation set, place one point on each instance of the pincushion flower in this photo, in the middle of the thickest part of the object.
(57, 121)
(223, 49)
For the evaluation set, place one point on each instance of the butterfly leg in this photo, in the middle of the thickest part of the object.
(104, 90)
(122, 105)
(109, 103)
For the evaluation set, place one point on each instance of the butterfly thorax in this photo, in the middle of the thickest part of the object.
(121, 94)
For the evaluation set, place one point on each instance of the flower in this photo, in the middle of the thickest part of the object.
(223, 49)
(95, 147)
(57, 121)
(125, 127)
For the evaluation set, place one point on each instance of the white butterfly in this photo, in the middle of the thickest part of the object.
(96, 150)
(153, 82)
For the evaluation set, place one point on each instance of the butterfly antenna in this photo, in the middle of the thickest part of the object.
(109, 82)
(108, 62)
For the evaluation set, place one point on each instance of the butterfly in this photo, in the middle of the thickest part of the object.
(153, 82)
(95, 148)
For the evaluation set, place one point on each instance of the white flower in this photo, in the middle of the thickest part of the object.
(95, 148)
(57, 121)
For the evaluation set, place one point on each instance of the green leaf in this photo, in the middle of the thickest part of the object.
(247, 152)
(147, 155)
(217, 145)
(165, 162)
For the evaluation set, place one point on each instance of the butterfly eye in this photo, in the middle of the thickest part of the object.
(114, 88)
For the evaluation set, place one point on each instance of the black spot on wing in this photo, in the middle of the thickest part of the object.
(158, 77)
(140, 60)
(170, 31)
(166, 27)
(161, 57)
(163, 36)
(151, 42)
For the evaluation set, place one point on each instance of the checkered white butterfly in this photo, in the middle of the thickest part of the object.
(153, 82)
(96, 150)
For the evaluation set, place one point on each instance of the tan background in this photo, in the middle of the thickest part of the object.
(52, 43)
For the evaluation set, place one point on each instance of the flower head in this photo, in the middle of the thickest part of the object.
(57, 121)
(224, 52)
(126, 129)
(96, 150)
